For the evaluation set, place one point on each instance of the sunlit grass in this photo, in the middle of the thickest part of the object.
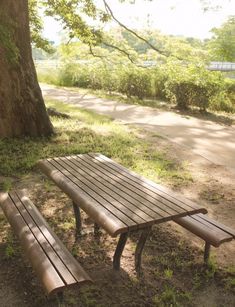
(87, 132)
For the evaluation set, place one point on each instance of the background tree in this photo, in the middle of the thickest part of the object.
(222, 45)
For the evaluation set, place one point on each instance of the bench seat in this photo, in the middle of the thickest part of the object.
(55, 267)
(211, 231)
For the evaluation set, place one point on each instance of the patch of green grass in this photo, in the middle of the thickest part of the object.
(168, 273)
(173, 297)
(6, 185)
(211, 269)
(89, 295)
(89, 132)
(10, 250)
(230, 283)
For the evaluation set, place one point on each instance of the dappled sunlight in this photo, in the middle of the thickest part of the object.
(203, 137)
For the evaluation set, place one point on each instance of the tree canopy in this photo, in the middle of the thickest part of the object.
(222, 45)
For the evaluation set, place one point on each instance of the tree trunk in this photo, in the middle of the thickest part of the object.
(22, 109)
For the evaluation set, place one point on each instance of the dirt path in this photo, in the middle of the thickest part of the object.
(215, 142)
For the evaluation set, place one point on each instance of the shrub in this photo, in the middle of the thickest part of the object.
(193, 85)
(222, 102)
(159, 78)
(184, 85)
(74, 75)
(135, 82)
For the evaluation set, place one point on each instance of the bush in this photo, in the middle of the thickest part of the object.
(193, 85)
(74, 75)
(184, 85)
(135, 82)
(159, 79)
(222, 102)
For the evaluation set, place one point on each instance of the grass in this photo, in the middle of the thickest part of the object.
(88, 132)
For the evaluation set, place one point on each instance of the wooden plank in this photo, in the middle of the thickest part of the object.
(50, 279)
(214, 237)
(94, 209)
(152, 186)
(111, 190)
(216, 224)
(153, 202)
(148, 184)
(122, 213)
(72, 265)
(61, 269)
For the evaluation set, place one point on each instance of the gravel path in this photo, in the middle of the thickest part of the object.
(215, 142)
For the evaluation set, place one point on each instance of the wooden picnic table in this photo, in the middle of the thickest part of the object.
(117, 199)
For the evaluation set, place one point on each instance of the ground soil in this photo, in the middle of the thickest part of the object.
(173, 269)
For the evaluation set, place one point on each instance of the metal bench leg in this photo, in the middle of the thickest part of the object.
(207, 252)
(139, 248)
(119, 249)
(77, 219)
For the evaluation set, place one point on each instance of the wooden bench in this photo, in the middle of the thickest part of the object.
(56, 268)
(211, 231)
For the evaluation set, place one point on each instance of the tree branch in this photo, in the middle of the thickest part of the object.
(108, 9)
(95, 55)
(120, 50)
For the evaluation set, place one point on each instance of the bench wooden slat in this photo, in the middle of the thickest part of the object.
(73, 266)
(61, 269)
(217, 224)
(101, 191)
(213, 235)
(97, 211)
(42, 266)
(150, 185)
(154, 209)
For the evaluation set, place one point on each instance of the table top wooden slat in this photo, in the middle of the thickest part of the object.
(149, 186)
(84, 186)
(111, 187)
(125, 200)
(99, 193)
(156, 204)
(90, 205)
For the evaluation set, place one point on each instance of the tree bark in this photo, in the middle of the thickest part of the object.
(22, 109)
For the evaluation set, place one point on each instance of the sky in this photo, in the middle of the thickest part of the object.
(175, 17)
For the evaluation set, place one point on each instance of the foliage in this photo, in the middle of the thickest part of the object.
(185, 85)
(36, 28)
(135, 81)
(193, 85)
(222, 45)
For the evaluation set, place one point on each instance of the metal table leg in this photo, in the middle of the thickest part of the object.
(77, 219)
(119, 249)
(139, 248)
(207, 252)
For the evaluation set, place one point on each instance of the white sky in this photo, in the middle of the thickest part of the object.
(176, 17)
